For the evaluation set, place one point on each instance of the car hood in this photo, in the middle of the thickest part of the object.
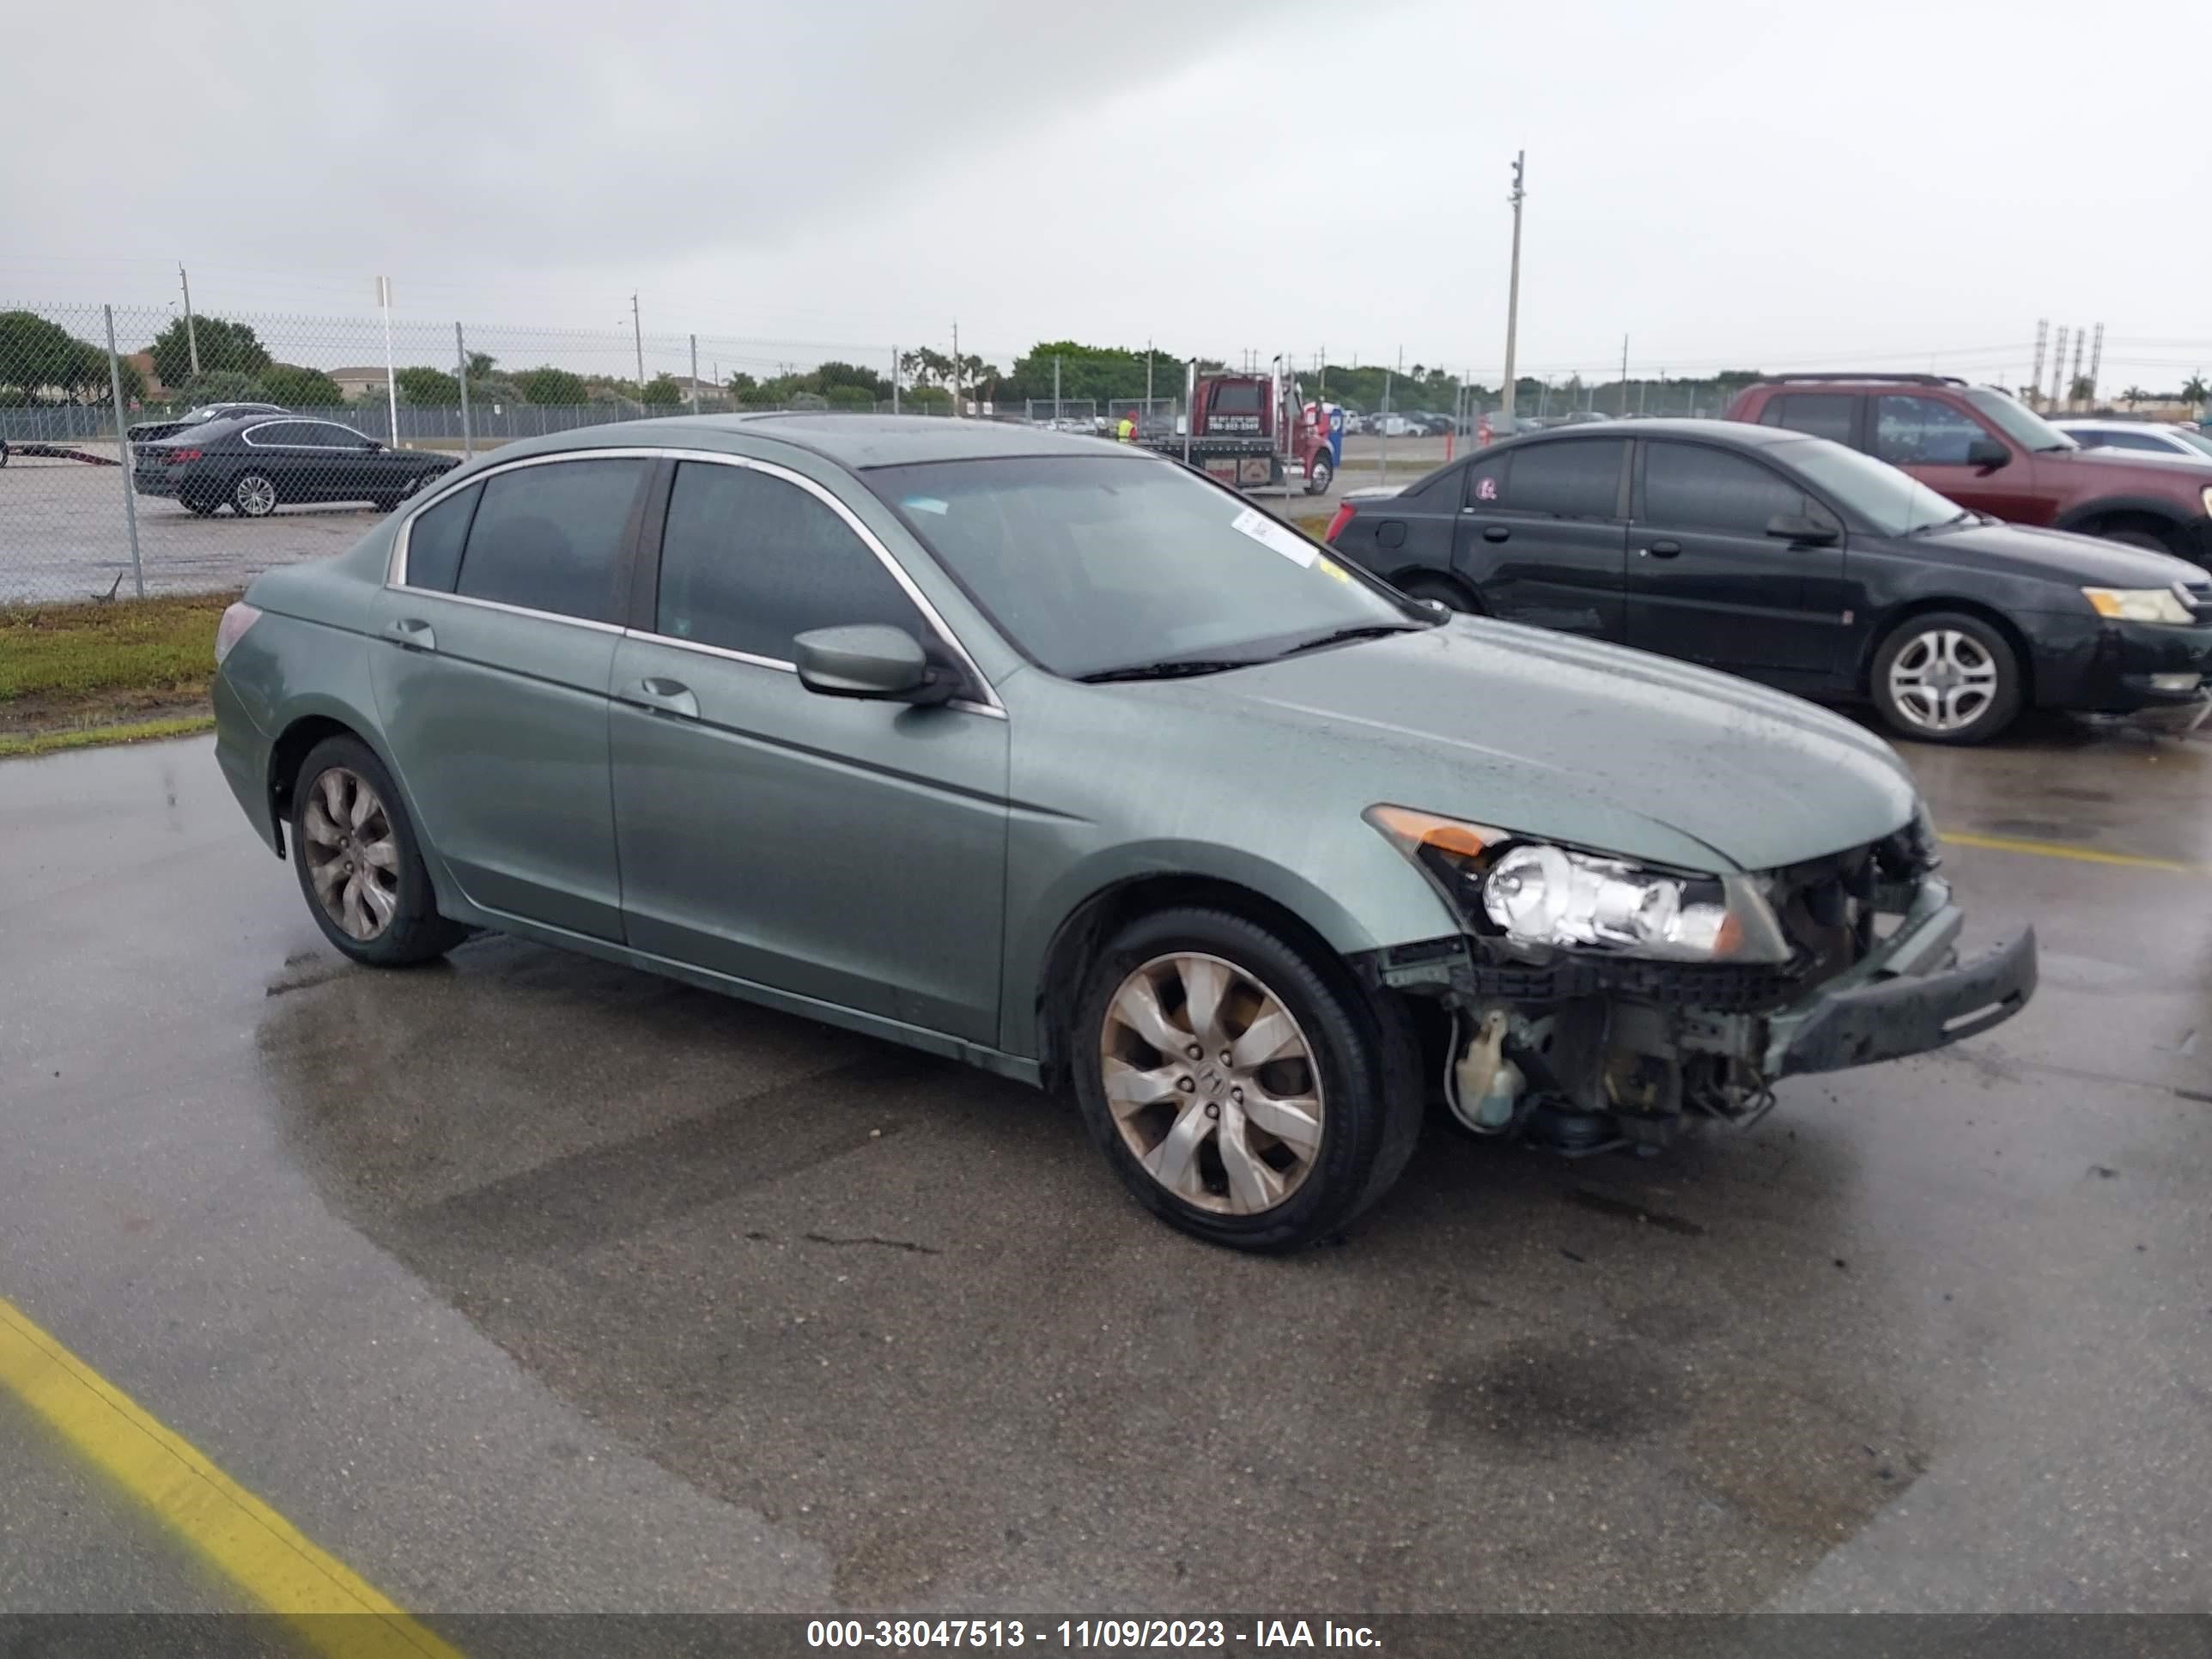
(2156, 471)
(2079, 561)
(1569, 740)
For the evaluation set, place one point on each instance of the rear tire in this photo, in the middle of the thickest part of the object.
(1189, 1132)
(253, 495)
(1946, 676)
(360, 866)
(1444, 592)
(2148, 540)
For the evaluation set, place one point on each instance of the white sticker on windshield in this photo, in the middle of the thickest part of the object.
(925, 504)
(1265, 531)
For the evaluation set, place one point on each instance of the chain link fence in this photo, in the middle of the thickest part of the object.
(120, 474)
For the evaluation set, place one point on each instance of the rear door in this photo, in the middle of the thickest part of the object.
(1543, 533)
(848, 851)
(499, 634)
(1707, 583)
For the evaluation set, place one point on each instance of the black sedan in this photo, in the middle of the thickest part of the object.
(254, 465)
(1800, 562)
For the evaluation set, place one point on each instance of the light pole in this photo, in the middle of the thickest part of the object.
(192, 334)
(1513, 286)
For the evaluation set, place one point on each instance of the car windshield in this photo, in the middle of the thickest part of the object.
(2017, 421)
(2195, 440)
(1891, 501)
(1100, 565)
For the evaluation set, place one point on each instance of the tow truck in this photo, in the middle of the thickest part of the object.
(1251, 431)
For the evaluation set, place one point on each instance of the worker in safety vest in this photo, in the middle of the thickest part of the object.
(1128, 430)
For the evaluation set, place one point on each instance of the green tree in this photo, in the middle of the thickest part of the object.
(480, 366)
(300, 388)
(552, 386)
(221, 386)
(2083, 390)
(430, 387)
(662, 392)
(223, 345)
(40, 358)
(2134, 395)
(2196, 392)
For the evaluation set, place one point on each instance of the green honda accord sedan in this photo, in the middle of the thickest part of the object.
(1064, 761)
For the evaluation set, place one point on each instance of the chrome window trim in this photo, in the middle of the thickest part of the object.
(395, 568)
(247, 437)
(591, 623)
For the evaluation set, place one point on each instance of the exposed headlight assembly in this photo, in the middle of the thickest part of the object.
(1538, 893)
(2148, 605)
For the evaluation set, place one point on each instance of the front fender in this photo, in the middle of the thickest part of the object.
(1357, 897)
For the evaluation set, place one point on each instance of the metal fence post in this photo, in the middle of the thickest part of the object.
(895, 379)
(461, 368)
(122, 446)
(695, 374)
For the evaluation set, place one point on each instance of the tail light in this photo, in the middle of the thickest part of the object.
(1343, 512)
(178, 456)
(232, 628)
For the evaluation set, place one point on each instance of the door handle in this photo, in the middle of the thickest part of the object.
(1661, 550)
(665, 698)
(1495, 533)
(413, 633)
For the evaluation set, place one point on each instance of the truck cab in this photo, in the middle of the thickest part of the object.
(1255, 432)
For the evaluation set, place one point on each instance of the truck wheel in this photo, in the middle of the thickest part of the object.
(1323, 475)
(1948, 677)
(1244, 1093)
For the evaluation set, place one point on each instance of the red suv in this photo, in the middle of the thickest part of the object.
(1986, 450)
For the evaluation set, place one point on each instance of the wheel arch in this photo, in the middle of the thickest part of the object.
(1980, 610)
(300, 733)
(2149, 509)
(1438, 576)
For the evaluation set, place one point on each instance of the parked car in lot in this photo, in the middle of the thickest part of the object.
(2140, 438)
(1800, 563)
(145, 431)
(1986, 450)
(1056, 758)
(254, 465)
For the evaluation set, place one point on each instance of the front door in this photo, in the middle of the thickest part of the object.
(1543, 535)
(849, 851)
(491, 680)
(1706, 581)
(1928, 438)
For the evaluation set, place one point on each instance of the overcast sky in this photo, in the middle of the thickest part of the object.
(1769, 183)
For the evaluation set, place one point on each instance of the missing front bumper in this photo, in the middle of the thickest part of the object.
(1907, 1014)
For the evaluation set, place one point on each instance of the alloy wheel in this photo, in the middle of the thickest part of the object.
(1211, 1082)
(351, 854)
(255, 497)
(1943, 680)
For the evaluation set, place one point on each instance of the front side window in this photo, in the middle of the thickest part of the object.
(1687, 486)
(2016, 420)
(549, 537)
(1100, 565)
(749, 561)
(330, 435)
(435, 538)
(1923, 432)
(1888, 502)
(1570, 478)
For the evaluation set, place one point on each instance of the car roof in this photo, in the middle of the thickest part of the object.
(1665, 426)
(853, 441)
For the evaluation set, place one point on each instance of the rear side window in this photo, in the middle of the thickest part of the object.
(1823, 414)
(434, 539)
(748, 561)
(1687, 486)
(1923, 432)
(1487, 479)
(1575, 478)
(549, 537)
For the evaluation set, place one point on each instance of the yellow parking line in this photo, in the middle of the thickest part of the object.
(2054, 849)
(227, 1526)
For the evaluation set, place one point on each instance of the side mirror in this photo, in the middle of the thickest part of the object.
(870, 661)
(1802, 532)
(1988, 454)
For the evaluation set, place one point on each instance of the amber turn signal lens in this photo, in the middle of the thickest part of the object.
(1413, 830)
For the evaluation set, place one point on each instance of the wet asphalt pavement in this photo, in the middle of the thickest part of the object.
(526, 1282)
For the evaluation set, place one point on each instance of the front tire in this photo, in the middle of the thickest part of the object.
(1248, 1094)
(1323, 475)
(253, 495)
(1947, 677)
(359, 864)
(2145, 539)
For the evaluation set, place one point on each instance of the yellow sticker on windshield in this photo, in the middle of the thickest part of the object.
(1329, 567)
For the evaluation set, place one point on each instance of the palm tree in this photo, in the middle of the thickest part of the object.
(2134, 395)
(2196, 392)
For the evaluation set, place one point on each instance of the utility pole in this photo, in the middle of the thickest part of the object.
(1148, 375)
(637, 334)
(1323, 361)
(894, 378)
(2096, 361)
(1513, 288)
(1624, 374)
(2035, 376)
(191, 333)
(1055, 388)
(955, 368)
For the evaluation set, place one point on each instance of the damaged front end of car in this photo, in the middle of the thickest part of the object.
(1595, 1002)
